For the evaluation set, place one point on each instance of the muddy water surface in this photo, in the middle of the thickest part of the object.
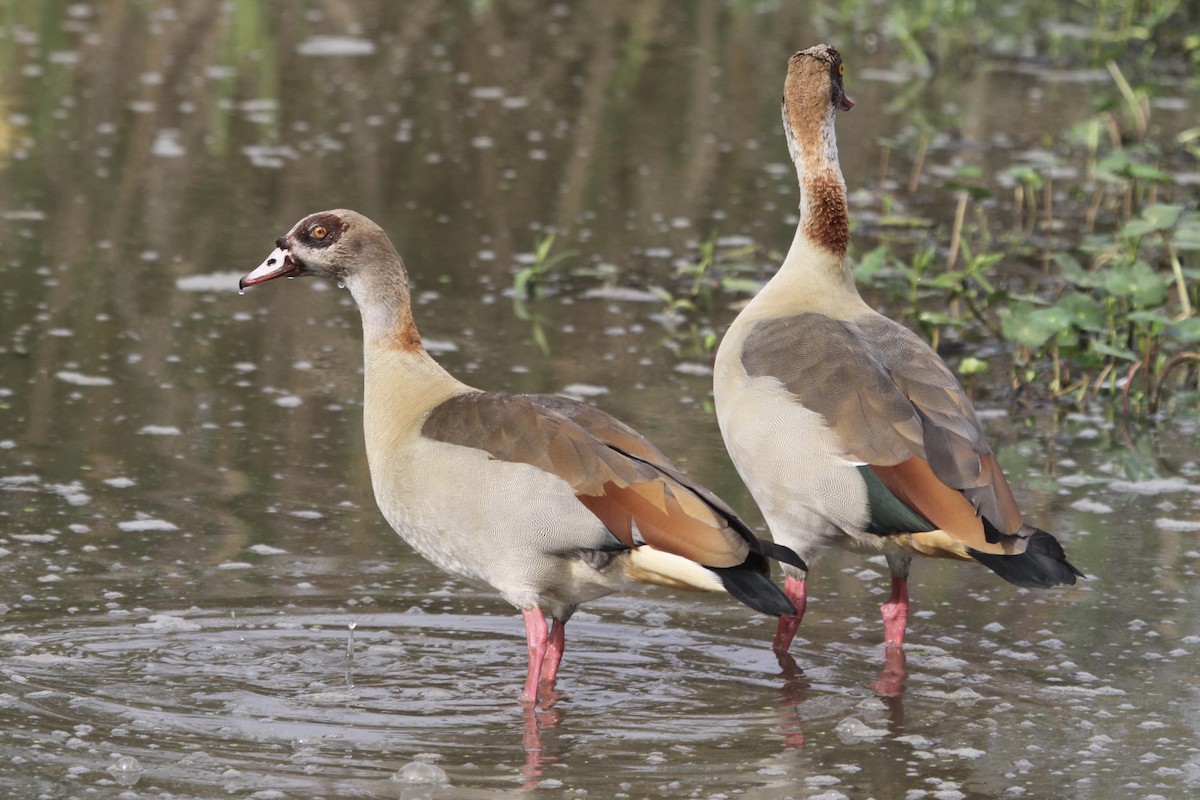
(197, 595)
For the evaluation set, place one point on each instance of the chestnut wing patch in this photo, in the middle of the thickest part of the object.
(638, 500)
(892, 402)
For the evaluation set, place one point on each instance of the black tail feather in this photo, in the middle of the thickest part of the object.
(755, 590)
(785, 555)
(1043, 564)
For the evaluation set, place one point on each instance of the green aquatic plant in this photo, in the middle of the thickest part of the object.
(719, 269)
(1102, 326)
(528, 278)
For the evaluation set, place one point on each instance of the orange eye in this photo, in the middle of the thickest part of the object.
(841, 69)
(319, 232)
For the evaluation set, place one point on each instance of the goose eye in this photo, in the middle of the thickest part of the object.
(319, 232)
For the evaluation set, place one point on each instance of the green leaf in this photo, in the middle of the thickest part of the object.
(521, 282)
(1137, 281)
(972, 366)
(1137, 228)
(1119, 166)
(1149, 172)
(1153, 219)
(938, 319)
(900, 221)
(1073, 272)
(741, 285)
(872, 263)
(1187, 330)
(1086, 311)
(1033, 327)
(975, 192)
(1163, 217)
(946, 280)
(539, 338)
(1153, 316)
(1025, 173)
(1187, 235)
(1115, 352)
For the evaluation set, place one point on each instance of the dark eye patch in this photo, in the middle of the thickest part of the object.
(836, 67)
(332, 226)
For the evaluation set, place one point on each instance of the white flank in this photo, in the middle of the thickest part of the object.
(675, 568)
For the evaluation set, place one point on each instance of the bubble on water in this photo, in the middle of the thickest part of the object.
(168, 622)
(622, 293)
(853, 729)
(79, 379)
(126, 770)
(1179, 525)
(584, 390)
(160, 430)
(1091, 506)
(693, 368)
(832, 794)
(167, 145)
(144, 524)
(438, 346)
(1152, 487)
(33, 538)
(963, 696)
(335, 46)
(969, 753)
(915, 740)
(421, 772)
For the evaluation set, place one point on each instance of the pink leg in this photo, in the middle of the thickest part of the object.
(890, 682)
(532, 741)
(554, 652)
(796, 591)
(895, 613)
(537, 638)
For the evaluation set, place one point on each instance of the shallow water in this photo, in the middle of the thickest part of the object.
(199, 597)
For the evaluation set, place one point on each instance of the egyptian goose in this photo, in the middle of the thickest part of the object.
(549, 501)
(847, 428)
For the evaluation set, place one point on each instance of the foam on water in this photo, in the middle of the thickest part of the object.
(335, 46)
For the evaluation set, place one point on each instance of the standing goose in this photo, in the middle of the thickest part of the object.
(847, 428)
(549, 501)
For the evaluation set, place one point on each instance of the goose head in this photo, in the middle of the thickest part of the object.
(346, 247)
(812, 92)
(341, 245)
